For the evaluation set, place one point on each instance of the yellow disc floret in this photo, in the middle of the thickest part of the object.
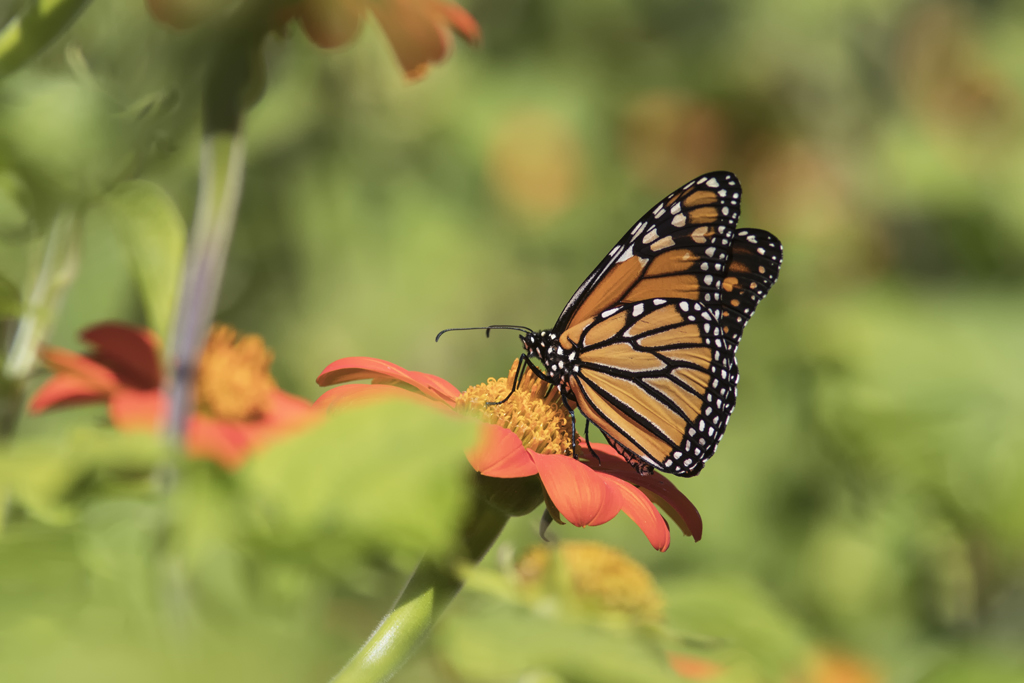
(233, 381)
(534, 411)
(599, 575)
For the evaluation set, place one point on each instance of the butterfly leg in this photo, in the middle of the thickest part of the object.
(572, 418)
(524, 363)
(586, 436)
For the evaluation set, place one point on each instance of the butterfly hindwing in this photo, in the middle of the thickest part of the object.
(679, 249)
(657, 377)
(753, 268)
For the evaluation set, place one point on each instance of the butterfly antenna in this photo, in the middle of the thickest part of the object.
(488, 329)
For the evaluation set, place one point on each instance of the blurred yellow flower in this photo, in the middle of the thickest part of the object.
(600, 576)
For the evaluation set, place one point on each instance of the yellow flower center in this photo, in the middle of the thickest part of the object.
(600, 576)
(534, 412)
(234, 381)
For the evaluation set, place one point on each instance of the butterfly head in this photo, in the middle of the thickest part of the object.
(533, 344)
(545, 346)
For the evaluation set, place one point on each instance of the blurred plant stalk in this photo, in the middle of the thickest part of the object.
(234, 82)
(22, 37)
(32, 30)
(56, 272)
(431, 588)
(221, 177)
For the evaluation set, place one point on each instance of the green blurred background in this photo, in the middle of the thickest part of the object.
(867, 502)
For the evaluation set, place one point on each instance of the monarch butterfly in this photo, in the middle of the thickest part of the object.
(646, 346)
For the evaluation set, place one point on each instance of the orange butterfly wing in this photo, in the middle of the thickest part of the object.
(753, 269)
(657, 378)
(679, 249)
(646, 345)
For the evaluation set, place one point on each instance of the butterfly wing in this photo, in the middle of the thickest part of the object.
(679, 249)
(657, 377)
(752, 270)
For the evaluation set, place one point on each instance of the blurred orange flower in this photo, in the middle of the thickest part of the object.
(238, 404)
(835, 667)
(694, 668)
(526, 436)
(420, 31)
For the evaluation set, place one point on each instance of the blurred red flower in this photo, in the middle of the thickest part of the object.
(238, 404)
(586, 492)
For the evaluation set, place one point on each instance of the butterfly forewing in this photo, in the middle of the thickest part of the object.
(679, 249)
(752, 269)
(657, 378)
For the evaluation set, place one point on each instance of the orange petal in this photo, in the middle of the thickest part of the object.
(226, 443)
(330, 23)
(612, 505)
(441, 388)
(659, 489)
(461, 20)
(642, 512)
(64, 390)
(63, 361)
(361, 367)
(348, 394)
(129, 351)
(680, 510)
(418, 34)
(576, 490)
(501, 454)
(285, 408)
(136, 409)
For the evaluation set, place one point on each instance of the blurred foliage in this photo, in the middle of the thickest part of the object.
(865, 503)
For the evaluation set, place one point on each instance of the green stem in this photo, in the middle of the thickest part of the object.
(221, 177)
(33, 29)
(234, 72)
(430, 589)
(46, 294)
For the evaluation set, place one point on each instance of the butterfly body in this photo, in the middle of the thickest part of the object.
(646, 346)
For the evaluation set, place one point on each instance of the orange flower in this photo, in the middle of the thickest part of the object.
(526, 436)
(238, 404)
(420, 31)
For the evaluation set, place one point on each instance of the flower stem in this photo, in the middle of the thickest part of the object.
(234, 73)
(430, 589)
(56, 272)
(33, 29)
(221, 176)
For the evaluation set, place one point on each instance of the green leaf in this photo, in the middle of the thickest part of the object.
(10, 299)
(15, 203)
(45, 475)
(739, 621)
(390, 477)
(503, 643)
(148, 221)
